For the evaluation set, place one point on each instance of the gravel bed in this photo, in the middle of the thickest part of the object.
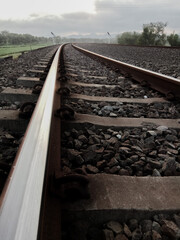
(126, 87)
(159, 227)
(11, 69)
(162, 60)
(120, 109)
(82, 62)
(129, 92)
(6, 105)
(149, 151)
(9, 143)
(94, 76)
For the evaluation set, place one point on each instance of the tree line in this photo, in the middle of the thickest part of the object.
(7, 38)
(153, 34)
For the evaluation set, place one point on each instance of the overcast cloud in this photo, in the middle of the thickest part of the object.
(114, 16)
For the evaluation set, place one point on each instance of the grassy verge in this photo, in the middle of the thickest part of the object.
(16, 50)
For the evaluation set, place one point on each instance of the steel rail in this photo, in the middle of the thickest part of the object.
(20, 202)
(167, 85)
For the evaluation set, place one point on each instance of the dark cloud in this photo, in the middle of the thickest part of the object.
(114, 16)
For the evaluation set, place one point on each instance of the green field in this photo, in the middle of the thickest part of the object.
(16, 50)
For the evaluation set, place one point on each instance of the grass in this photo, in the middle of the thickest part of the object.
(16, 50)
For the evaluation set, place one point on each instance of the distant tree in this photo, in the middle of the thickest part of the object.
(174, 39)
(7, 38)
(153, 34)
(128, 38)
(4, 37)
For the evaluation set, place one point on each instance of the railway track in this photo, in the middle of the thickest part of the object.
(100, 158)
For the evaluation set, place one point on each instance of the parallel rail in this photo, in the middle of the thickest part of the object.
(165, 84)
(21, 199)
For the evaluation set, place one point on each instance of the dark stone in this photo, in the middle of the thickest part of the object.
(149, 140)
(82, 139)
(155, 164)
(123, 172)
(147, 236)
(134, 158)
(90, 132)
(74, 133)
(116, 227)
(100, 150)
(101, 164)
(136, 148)
(127, 231)
(108, 154)
(67, 134)
(112, 140)
(95, 139)
(124, 151)
(173, 151)
(156, 235)
(72, 154)
(160, 217)
(159, 106)
(170, 229)
(121, 237)
(156, 173)
(89, 156)
(108, 234)
(136, 234)
(146, 225)
(156, 227)
(114, 169)
(79, 160)
(91, 169)
(112, 162)
(133, 224)
(153, 154)
(77, 144)
(66, 170)
(107, 136)
(171, 138)
(177, 219)
(169, 167)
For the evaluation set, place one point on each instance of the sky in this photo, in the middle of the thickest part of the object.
(86, 18)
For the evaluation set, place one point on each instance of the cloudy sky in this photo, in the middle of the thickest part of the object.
(86, 17)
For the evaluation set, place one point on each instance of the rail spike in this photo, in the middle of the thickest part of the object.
(170, 96)
(65, 113)
(26, 110)
(37, 88)
(72, 186)
(64, 91)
